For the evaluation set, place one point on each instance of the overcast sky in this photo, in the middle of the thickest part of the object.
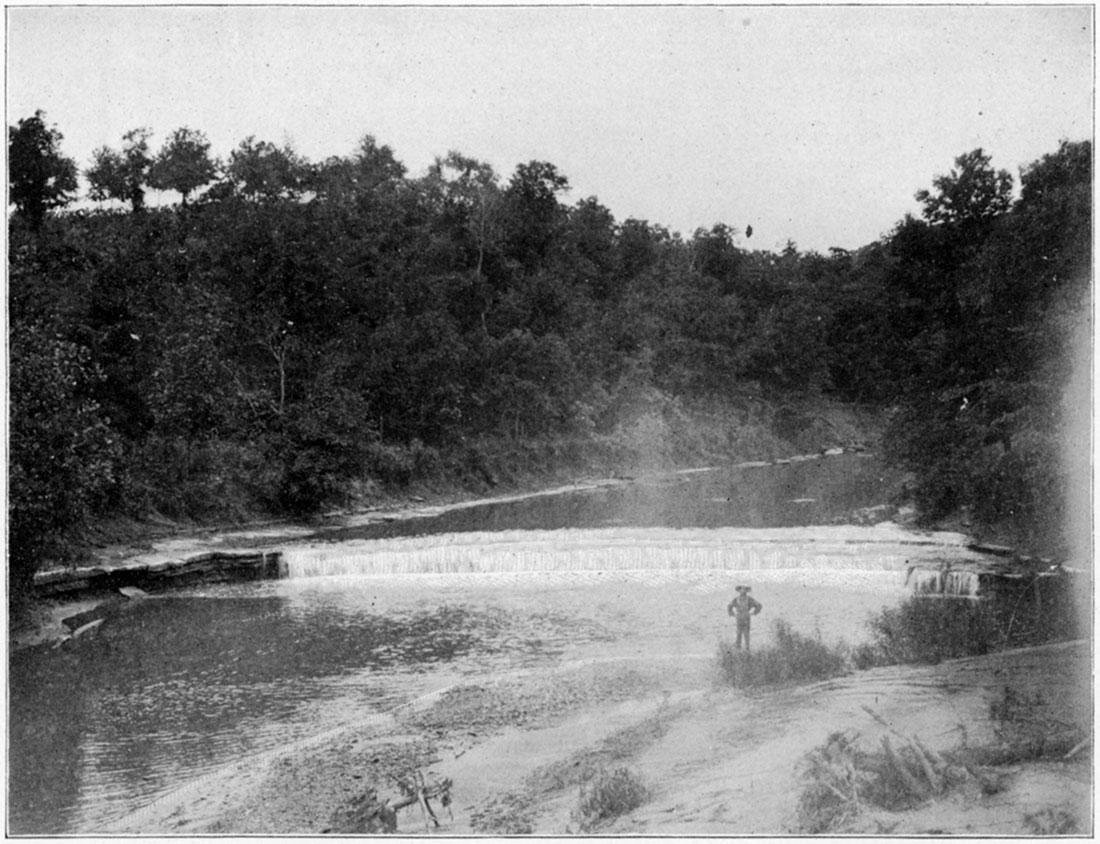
(815, 124)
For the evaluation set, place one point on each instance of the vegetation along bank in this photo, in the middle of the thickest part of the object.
(294, 336)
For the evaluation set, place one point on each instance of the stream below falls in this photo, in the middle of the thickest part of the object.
(183, 684)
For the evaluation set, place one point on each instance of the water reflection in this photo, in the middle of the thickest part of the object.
(805, 492)
(178, 686)
(47, 702)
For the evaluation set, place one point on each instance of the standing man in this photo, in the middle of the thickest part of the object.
(744, 607)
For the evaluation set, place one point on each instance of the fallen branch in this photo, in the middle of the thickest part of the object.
(882, 721)
(937, 761)
(1078, 747)
(927, 767)
(930, 762)
(911, 783)
(416, 789)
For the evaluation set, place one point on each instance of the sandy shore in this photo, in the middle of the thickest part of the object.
(716, 761)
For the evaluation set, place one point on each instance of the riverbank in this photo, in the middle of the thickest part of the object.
(713, 761)
(518, 747)
(663, 436)
(163, 559)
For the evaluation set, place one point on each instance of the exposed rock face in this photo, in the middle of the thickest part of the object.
(125, 597)
(130, 579)
(97, 613)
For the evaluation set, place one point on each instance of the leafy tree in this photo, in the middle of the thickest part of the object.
(189, 391)
(61, 451)
(140, 254)
(535, 215)
(865, 341)
(320, 445)
(714, 254)
(371, 171)
(365, 202)
(639, 245)
(183, 164)
(470, 199)
(259, 169)
(590, 235)
(701, 344)
(1064, 171)
(972, 192)
(122, 175)
(40, 178)
(376, 164)
(1045, 246)
(980, 424)
(533, 383)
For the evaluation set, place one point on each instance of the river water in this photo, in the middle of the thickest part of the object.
(183, 684)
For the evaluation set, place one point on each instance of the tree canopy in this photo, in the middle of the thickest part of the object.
(122, 175)
(972, 192)
(303, 329)
(183, 163)
(40, 178)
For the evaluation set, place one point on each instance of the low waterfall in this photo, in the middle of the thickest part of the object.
(954, 583)
(620, 549)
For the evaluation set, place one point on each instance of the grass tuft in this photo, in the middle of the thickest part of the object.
(609, 795)
(792, 658)
(1027, 730)
(1051, 822)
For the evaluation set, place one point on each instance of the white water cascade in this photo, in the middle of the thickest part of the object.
(945, 581)
(885, 548)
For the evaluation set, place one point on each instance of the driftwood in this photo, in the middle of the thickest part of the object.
(369, 814)
(84, 622)
(1078, 747)
(80, 632)
(902, 770)
(930, 764)
(832, 793)
(841, 779)
(417, 790)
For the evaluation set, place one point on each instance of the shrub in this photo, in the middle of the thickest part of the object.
(321, 446)
(62, 453)
(1051, 822)
(792, 658)
(205, 480)
(927, 629)
(1026, 729)
(392, 464)
(832, 783)
(608, 796)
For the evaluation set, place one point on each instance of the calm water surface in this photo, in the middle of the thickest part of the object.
(183, 684)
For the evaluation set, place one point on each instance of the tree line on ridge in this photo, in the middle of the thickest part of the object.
(289, 327)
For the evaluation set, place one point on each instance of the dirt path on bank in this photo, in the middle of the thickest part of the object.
(716, 761)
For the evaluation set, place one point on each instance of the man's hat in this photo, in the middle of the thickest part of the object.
(743, 588)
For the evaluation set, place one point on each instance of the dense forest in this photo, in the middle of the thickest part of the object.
(290, 330)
